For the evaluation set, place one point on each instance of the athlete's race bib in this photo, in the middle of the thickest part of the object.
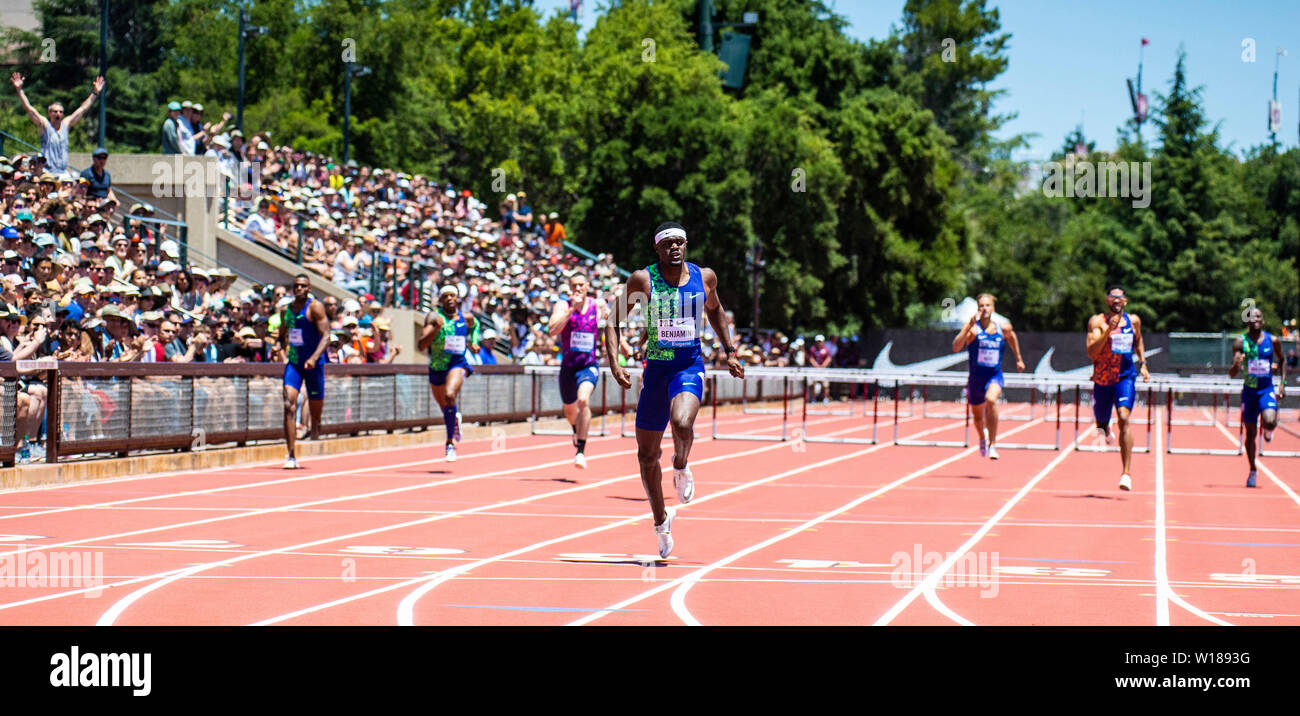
(677, 332)
(1260, 367)
(989, 357)
(583, 341)
(454, 344)
(295, 336)
(1121, 343)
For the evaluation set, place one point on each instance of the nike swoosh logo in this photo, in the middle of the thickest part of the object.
(1044, 368)
(933, 365)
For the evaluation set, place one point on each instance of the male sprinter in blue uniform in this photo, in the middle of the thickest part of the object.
(680, 296)
(1254, 349)
(446, 334)
(985, 340)
(1113, 339)
(304, 336)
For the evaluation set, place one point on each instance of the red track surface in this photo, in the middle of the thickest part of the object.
(779, 533)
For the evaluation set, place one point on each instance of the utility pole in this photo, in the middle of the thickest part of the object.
(245, 31)
(350, 70)
(103, 69)
(754, 261)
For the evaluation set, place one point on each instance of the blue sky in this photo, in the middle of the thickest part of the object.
(1069, 60)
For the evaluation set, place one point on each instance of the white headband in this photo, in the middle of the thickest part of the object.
(669, 233)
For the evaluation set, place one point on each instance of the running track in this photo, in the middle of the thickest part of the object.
(779, 533)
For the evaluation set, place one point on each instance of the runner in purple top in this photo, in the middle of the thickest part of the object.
(577, 323)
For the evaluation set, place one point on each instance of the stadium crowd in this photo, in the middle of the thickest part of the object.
(81, 280)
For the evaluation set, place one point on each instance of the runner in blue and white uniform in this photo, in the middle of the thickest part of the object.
(304, 336)
(680, 296)
(1254, 351)
(985, 339)
(577, 323)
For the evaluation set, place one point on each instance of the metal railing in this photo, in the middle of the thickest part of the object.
(119, 408)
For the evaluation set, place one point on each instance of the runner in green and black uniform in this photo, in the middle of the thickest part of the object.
(681, 296)
(446, 335)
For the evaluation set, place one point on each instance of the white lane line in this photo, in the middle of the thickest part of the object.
(440, 577)
(406, 609)
(116, 610)
(1259, 462)
(1165, 593)
(265, 510)
(934, 577)
(278, 481)
(684, 584)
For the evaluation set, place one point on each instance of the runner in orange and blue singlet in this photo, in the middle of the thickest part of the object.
(1253, 350)
(1114, 338)
(678, 297)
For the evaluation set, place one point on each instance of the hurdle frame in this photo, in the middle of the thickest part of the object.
(1151, 405)
(535, 404)
(785, 412)
(875, 422)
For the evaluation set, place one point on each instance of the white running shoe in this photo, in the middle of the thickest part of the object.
(580, 461)
(993, 452)
(684, 481)
(290, 464)
(451, 453)
(665, 534)
(984, 448)
(1125, 482)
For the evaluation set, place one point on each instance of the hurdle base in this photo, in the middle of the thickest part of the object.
(1203, 451)
(1027, 446)
(1110, 448)
(758, 438)
(933, 443)
(843, 441)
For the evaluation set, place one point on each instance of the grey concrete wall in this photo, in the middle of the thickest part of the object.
(160, 180)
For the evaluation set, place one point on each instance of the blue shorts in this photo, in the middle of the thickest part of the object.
(660, 383)
(296, 375)
(572, 376)
(1106, 397)
(978, 384)
(439, 377)
(1255, 401)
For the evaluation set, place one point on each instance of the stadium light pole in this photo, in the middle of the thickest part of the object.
(245, 31)
(350, 70)
(1272, 133)
(103, 69)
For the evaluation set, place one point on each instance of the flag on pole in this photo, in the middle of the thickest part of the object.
(1275, 116)
(1145, 42)
(1142, 108)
